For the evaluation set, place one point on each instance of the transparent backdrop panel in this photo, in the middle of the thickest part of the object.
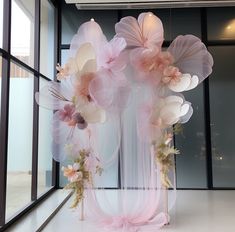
(191, 162)
(20, 132)
(22, 30)
(222, 95)
(221, 23)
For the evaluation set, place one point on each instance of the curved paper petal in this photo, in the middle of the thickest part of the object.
(182, 85)
(128, 28)
(146, 32)
(152, 29)
(188, 115)
(109, 56)
(101, 91)
(53, 96)
(85, 53)
(89, 32)
(194, 82)
(191, 56)
(92, 113)
(89, 66)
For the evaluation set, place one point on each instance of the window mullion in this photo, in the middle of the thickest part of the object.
(34, 186)
(4, 108)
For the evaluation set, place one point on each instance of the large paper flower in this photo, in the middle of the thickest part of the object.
(144, 37)
(169, 111)
(161, 114)
(110, 88)
(71, 98)
(89, 32)
(147, 32)
(193, 61)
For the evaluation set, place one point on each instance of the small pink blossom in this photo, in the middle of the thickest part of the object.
(66, 114)
(169, 138)
(172, 75)
(62, 71)
(72, 172)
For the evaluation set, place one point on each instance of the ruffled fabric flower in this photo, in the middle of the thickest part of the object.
(72, 172)
(192, 59)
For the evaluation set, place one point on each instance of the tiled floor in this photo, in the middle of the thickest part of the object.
(195, 211)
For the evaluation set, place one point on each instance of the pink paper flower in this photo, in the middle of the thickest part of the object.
(109, 56)
(146, 32)
(72, 172)
(171, 75)
(66, 114)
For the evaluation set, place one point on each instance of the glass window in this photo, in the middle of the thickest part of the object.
(20, 128)
(72, 18)
(64, 56)
(44, 147)
(22, 30)
(1, 22)
(185, 21)
(191, 162)
(222, 86)
(221, 23)
(0, 83)
(47, 39)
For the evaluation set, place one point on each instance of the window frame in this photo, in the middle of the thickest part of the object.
(7, 59)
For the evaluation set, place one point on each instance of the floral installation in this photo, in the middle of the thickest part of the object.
(80, 174)
(163, 152)
(96, 83)
(180, 68)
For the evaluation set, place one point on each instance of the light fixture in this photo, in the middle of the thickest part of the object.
(140, 4)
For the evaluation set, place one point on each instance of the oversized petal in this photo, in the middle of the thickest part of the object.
(194, 82)
(184, 109)
(187, 116)
(191, 56)
(85, 53)
(170, 113)
(92, 113)
(146, 32)
(152, 30)
(89, 32)
(174, 98)
(128, 28)
(101, 90)
(110, 57)
(182, 85)
(89, 66)
(53, 96)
